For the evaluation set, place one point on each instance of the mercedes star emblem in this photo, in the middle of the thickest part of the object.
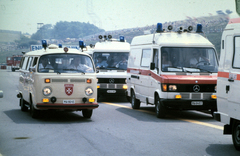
(196, 88)
(111, 80)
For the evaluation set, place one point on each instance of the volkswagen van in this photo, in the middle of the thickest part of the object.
(172, 70)
(57, 79)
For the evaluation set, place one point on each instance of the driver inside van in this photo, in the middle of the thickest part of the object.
(44, 64)
(78, 66)
(197, 59)
(165, 60)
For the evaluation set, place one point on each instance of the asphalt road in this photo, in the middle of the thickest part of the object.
(114, 129)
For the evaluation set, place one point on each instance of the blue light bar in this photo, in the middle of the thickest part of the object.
(199, 28)
(60, 45)
(159, 28)
(82, 44)
(122, 39)
(44, 44)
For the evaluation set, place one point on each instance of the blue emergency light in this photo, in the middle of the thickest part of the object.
(121, 38)
(44, 44)
(199, 28)
(60, 45)
(82, 44)
(159, 28)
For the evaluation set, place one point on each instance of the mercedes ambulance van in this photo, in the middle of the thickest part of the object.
(172, 70)
(57, 79)
(110, 58)
(228, 81)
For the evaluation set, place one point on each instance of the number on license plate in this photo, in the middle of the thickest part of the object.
(68, 101)
(196, 103)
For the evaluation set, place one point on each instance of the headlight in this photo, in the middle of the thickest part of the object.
(88, 91)
(172, 87)
(47, 91)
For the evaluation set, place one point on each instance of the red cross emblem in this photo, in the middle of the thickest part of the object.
(69, 89)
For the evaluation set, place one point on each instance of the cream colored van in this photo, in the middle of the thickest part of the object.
(57, 79)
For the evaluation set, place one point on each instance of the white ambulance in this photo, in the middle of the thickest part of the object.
(228, 81)
(172, 70)
(110, 58)
(57, 79)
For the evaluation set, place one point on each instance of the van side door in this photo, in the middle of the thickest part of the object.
(234, 80)
(23, 87)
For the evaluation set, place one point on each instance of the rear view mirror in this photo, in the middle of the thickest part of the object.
(1, 94)
(152, 66)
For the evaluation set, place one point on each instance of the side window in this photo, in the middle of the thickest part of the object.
(134, 58)
(21, 63)
(29, 62)
(34, 62)
(24, 65)
(236, 57)
(156, 59)
(228, 52)
(146, 54)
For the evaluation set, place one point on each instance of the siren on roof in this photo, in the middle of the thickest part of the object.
(82, 44)
(199, 28)
(121, 38)
(44, 44)
(159, 28)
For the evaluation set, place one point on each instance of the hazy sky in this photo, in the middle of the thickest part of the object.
(23, 15)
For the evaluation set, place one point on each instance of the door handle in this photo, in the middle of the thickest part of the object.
(231, 80)
(227, 88)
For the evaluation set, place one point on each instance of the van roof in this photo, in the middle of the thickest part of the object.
(54, 51)
(172, 39)
(112, 47)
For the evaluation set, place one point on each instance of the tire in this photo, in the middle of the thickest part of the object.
(135, 102)
(22, 102)
(87, 113)
(159, 109)
(34, 112)
(236, 135)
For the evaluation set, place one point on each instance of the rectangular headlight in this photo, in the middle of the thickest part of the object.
(172, 87)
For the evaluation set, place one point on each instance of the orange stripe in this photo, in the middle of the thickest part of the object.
(223, 74)
(234, 20)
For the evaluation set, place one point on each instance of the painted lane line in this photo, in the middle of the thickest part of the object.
(187, 120)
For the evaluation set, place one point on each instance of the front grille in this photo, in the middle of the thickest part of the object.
(59, 80)
(77, 80)
(196, 96)
(189, 87)
(109, 80)
(111, 86)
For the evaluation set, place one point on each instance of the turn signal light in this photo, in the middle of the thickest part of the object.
(47, 81)
(178, 96)
(91, 100)
(164, 87)
(89, 80)
(45, 100)
(125, 86)
(214, 96)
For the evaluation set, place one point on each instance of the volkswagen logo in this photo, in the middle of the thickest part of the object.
(111, 80)
(196, 88)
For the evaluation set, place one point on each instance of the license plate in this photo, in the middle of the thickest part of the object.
(68, 101)
(196, 103)
(111, 91)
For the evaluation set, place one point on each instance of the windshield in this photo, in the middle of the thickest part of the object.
(65, 63)
(111, 60)
(188, 60)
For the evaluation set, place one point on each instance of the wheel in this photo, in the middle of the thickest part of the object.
(135, 102)
(22, 102)
(87, 113)
(159, 109)
(33, 112)
(13, 69)
(236, 135)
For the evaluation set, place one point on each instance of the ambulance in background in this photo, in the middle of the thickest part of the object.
(228, 81)
(172, 70)
(110, 58)
(56, 78)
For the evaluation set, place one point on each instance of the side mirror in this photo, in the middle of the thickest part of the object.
(152, 66)
(1, 94)
(32, 69)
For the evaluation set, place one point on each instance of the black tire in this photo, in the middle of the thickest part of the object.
(87, 113)
(159, 109)
(13, 69)
(135, 102)
(34, 112)
(236, 135)
(22, 102)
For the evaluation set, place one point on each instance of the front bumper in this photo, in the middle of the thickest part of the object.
(77, 106)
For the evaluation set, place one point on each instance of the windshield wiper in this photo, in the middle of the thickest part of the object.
(199, 69)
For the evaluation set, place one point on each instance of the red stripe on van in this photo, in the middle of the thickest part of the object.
(234, 20)
(223, 74)
(176, 79)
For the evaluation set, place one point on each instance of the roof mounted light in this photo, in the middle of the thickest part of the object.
(199, 28)
(109, 37)
(44, 44)
(170, 27)
(100, 37)
(65, 49)
(82, 44)
(60, 45)
(121, 38)
(159, 28)
(190, 28)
